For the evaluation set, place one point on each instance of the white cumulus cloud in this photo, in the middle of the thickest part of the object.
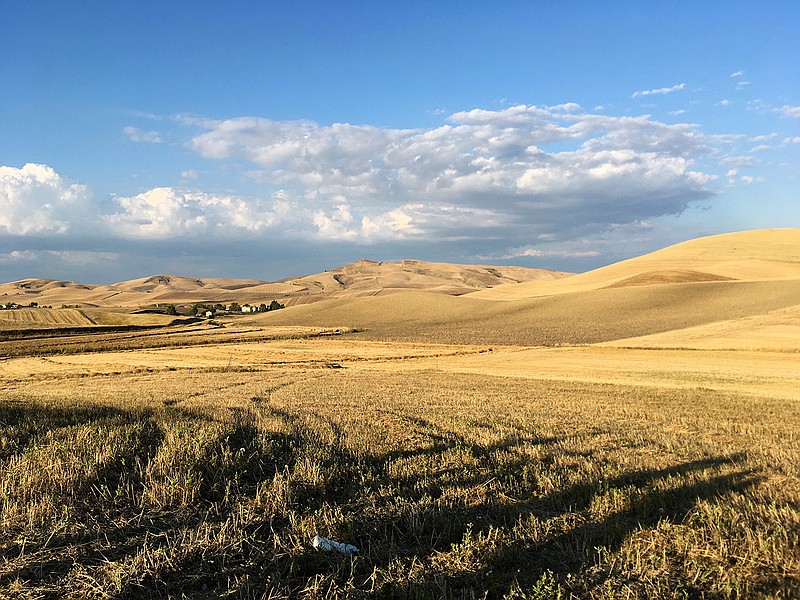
(506, 177)
(789, 111)
(68, 257)
(483, 166)
(167, 213)
(35, 199)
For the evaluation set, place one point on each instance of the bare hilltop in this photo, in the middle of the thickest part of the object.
(740, 289)
(737, 290)
(359, 279)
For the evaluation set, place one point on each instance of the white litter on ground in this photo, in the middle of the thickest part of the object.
(321, 543)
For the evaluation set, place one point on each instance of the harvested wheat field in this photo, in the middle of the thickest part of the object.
(636, 435)
(44, 318)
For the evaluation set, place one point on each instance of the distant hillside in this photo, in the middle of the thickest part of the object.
(739, 290)
(370, 278)
(758, 255)
(587, 317)
(733, 291)
(362, 278)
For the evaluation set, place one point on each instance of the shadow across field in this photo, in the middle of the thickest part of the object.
(430, 516)
(233, 511)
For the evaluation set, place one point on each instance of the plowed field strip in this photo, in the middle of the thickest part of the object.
(131, 338)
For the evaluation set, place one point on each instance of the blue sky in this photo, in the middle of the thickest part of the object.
(262, 139)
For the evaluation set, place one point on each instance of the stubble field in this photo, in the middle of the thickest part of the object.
(205, 469)
(630, 432)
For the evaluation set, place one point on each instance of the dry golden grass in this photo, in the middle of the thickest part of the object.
(768, 375)
(72, 318)
(668, 276)
(117, 318)
(777, 330)
(452, 486)
(759, 255)
(34, 318)
(290, 347)
(575, 318)
(105, 339)
(371, 278)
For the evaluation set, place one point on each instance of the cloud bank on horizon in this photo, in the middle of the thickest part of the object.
(485, 173)
(520, 174)
(516, 182)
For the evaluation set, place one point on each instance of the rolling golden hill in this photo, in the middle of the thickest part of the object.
(758, 255)
(362, 278)
(739, 290)
(371, 278)
(575, 318)
(732, 281)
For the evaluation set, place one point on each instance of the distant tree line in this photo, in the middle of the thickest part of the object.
(202, 309)
(15, 305)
